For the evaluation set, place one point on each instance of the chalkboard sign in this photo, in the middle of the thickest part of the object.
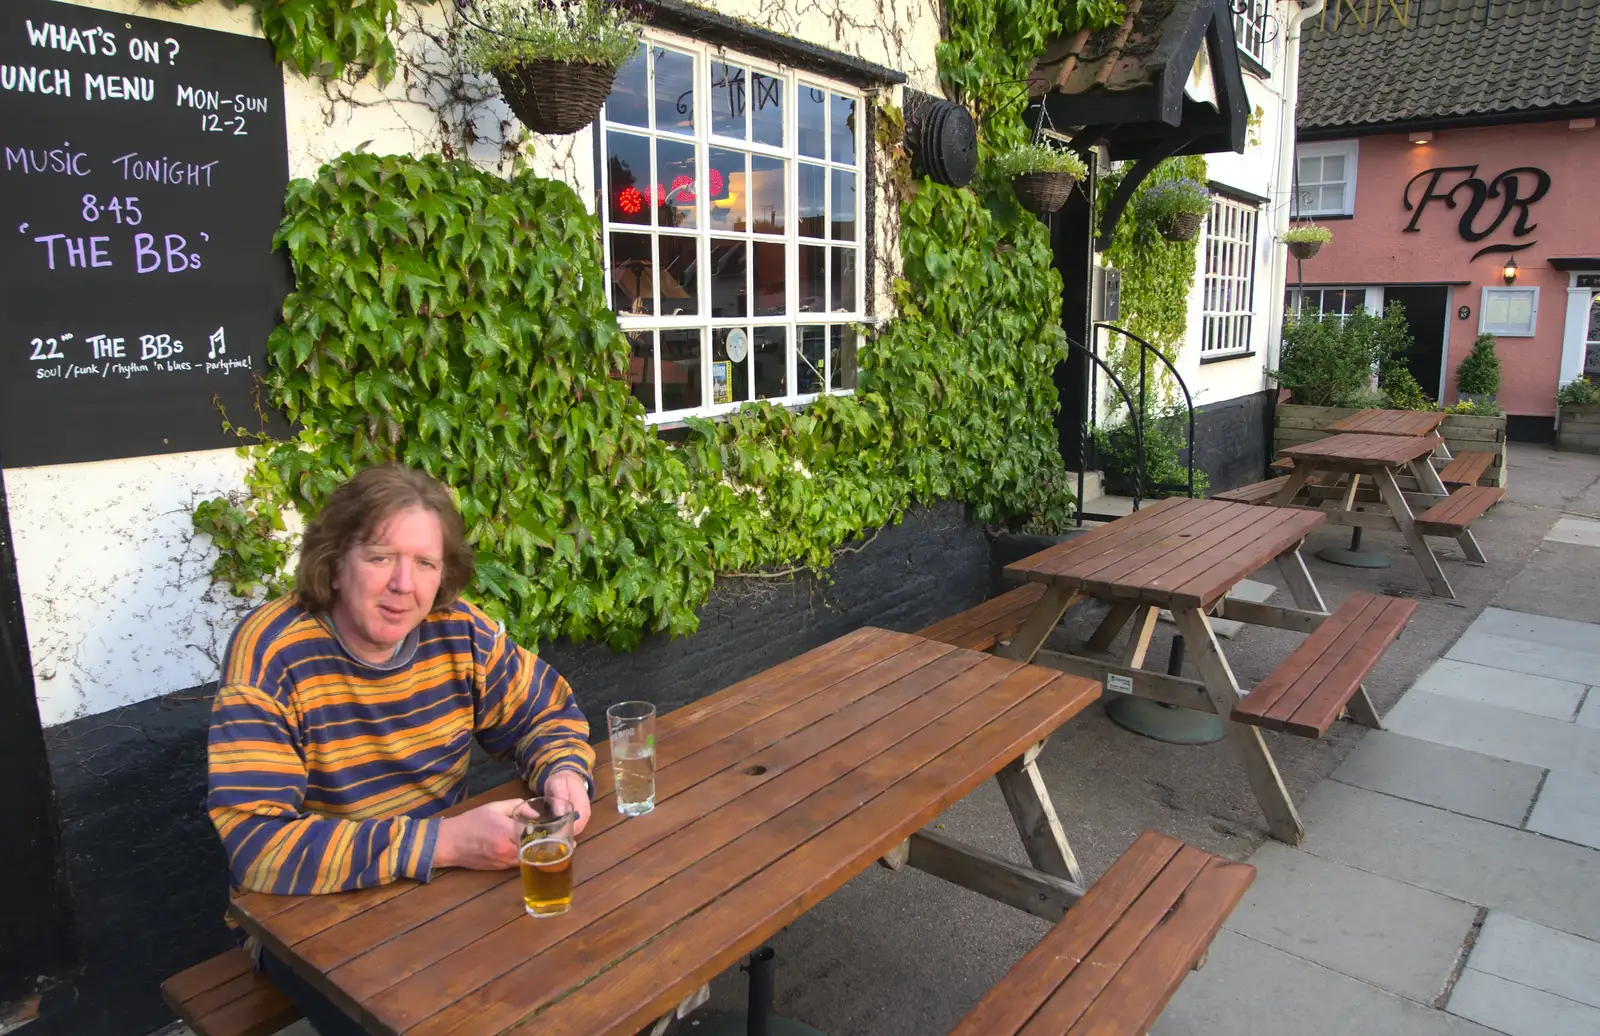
(142, 173)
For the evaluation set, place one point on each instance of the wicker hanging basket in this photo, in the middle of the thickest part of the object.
(1304, 249)
(1182, 227)
(556, 96)
(1043, 193)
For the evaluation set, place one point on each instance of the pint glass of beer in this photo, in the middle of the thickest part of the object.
(546, 855)
(632, 725)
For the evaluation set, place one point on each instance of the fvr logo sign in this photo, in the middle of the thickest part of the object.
(1515, 189)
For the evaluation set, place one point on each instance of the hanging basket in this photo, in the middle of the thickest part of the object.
(1304, 249)
(1043, 193)
(556, 96)
(1182, 227)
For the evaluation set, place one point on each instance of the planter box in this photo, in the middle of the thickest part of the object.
(1295, 424)
(1580, 429)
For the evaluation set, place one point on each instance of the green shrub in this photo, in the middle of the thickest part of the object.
(1328, 360)
(1579, 392)
(1117, 450)
(1479, 373)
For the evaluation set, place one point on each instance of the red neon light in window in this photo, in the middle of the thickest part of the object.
(630, 201)
(681, 188)
(714, 179)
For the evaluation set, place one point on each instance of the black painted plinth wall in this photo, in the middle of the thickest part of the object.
(1233, 440)
(147, 876)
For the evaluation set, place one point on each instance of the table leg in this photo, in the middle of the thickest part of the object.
(1291, 488)
(1223, 690)
(1431, 483)
(1401, 511)
(1361, 710)
(1301, 588)
(1040, 622)
(1035, 815)
(1144, 626)
(1109, 627)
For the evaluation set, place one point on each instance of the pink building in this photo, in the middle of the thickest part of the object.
(1454, 155)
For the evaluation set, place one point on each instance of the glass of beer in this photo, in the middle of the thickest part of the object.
(546, 855)
(633, 755)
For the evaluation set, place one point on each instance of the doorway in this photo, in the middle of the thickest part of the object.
(1427, 315)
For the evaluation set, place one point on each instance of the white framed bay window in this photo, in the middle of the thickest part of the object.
(732, 194)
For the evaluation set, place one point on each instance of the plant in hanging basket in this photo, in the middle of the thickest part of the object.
(555, 59)
(1176, 207)
(1043, 176)
(1306, 240)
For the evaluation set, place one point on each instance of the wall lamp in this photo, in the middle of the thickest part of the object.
(1421, 136)
(1510, 272)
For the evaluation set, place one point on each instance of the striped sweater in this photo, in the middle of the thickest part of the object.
(328, 773)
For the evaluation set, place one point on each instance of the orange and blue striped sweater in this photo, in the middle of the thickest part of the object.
(328, 773)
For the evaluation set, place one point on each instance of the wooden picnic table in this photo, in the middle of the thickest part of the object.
(1379, 458)
(1183, 555)
(770, 795)
(1390, 422)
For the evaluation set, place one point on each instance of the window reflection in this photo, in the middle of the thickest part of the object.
(844, 205)
(675, 182)
(629, 102)
(842, 281)
(681, 357)
(674, 91)
(633, 280)
(642, 369)
(676, 284)
(842, 129)
(730, 380)
(729, 291)
(771, 284)
(810, 360)
(627, 177)
(770, 353)
(728, 190)
(768, 194)
(842, 342)
(813, 122)
(766, 113)
(727, 101)
(812, 277)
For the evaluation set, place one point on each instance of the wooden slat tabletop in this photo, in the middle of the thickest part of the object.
(1177, 552)
(1390, 422)
(1355, 452)
(770, 795)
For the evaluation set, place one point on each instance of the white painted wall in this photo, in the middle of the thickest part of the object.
(115, 584)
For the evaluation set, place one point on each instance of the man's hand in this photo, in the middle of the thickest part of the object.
(482, 839)
(564, 784)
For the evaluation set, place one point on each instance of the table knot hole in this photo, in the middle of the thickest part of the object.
(755, 771)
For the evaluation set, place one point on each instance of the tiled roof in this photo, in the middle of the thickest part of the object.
(1452, 58)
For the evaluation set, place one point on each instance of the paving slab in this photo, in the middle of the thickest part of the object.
(1250, 989)
(1569, 808)
(1541, 629)
(1533, 955)
(1482, 786)
(1539, 695)
(1550, 882)
(1524, 656)
(1579, 531)
(1396, 936)
(1589, 714)
(1507, 733)
(1519, 1010)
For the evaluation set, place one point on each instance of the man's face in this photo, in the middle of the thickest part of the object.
(385, 587)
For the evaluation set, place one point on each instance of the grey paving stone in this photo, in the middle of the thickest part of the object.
(1250, 989)
(1589, 714)
(1539, 695)
(1533, 955)
(1541, 629)
(1525, 656)
(1478, 785)
(1580, 531)
(1397, 936)
(1506, 733)
(1569, 808)
(1519, 1010)
(1532, 876)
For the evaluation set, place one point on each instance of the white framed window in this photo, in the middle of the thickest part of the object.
(732, 195)
(1325, 179)
(1230, 284)
(1250, 21)
(1512, 312)
(1591, 345)
(1339, 302)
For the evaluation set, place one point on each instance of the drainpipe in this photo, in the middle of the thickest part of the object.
(1285, 178)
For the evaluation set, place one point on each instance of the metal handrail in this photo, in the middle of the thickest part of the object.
(1083, 439)
(1138, 418)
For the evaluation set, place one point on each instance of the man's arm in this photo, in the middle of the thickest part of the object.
(256, 799)
(526, 711)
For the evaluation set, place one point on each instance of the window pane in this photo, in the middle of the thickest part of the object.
(771, 356)
(727, 101)
(729, 192)
(1332, 168)
(633, 282)
(844, 205)
(767, 194)
(675, 180)
(1594, 321)
(674, 91)
(642, 369)
(680, 369)
(730, 381)
(630, 93)
(842, 129)
(813, 200)
(676, 284)
(769, 277)
(813, 122)
(766, 116)
(628, 176)
(842, 290)
(842, 343)
(729, 294)
(812, 273)
(809, 361)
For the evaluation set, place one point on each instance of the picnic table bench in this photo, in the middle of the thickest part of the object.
(770, 794)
